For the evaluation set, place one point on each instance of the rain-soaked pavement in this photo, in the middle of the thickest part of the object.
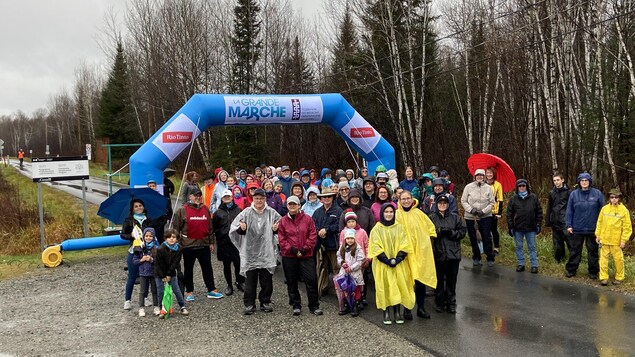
(501, 312)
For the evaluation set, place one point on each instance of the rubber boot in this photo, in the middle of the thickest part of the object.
(387, 320)
(397, 312)
(355, 310)
(407, 314)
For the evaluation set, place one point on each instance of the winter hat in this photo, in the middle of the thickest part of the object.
(342, 184)
(351, 171)
(349, 214)
(151, 230)
(295, 172)
(443, 173)
(293, 199)
(305, 173)
(521, 182)
(428, 176)
(442, 198)
(479, 172)
(438, 181)
(354, 193)
(434, 168)
(382, 175)
(380, 168)
(369, 179)
(226, 193)
(585, 175)
(349, 233)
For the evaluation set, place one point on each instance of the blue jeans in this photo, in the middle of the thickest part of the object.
(133, 273)
(531, 246)
(174, 282)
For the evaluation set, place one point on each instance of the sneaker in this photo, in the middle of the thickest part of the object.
(490, 264)
(142, 312)
(604, 282)
(477, 263)
(184, 311)
(214, 294)
(617, 282)
(189, 297)
(520, 268)
(439, 309)
(250, 310)
(266, 307)
(317, 312)
(534, 270)
(495, 251)
(297, 312)
(162, 314)
(569, 274)
(127, 305)
(156, 311)
(147, 302)
(229, 291)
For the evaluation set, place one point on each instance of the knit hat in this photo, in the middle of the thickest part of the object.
(438, 181)
(349, 233)
(151, 230)
(585, 175)
(342, 184)
(443, 173)
(354, 193)
(349, 214)
(522, 182)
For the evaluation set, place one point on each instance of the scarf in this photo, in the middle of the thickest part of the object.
(523, 194)
(140, 217)
(173, 248)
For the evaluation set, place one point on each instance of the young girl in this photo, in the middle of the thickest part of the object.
(613, 230)
(239, 199)
(144, 259)
(361, 237)
(350, 258)
(168, 258)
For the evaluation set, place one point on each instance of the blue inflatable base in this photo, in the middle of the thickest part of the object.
(93, 243)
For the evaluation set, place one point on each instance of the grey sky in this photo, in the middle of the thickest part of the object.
(42, 42)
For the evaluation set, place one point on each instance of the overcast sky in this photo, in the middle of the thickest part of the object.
(42, 42)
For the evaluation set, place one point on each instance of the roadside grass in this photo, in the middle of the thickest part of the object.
(13, 266)
(64, 217)
(549, 267)
(101, 171)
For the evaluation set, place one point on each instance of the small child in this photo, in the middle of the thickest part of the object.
(144, 258)
(613, 230)
(350, 258)
(168, 259)
(361, 238)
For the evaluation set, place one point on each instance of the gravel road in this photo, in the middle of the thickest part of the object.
(76, 309)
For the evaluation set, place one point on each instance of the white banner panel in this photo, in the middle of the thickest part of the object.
(361, 133)
(252, 109)
(176, 137)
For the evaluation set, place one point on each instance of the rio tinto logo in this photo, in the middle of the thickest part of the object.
(177, 137)
(366, 132)
(296, 110)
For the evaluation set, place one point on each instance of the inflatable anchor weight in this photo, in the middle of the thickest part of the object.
(52, 256)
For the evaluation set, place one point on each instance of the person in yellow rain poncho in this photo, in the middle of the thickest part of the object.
(612, 231)
(419, 229)
(393, 283)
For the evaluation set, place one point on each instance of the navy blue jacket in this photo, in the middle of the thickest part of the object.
(329, 220)
(583, 209)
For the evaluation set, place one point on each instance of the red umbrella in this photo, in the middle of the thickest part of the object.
(504, 174)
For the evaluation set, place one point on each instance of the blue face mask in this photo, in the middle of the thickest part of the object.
(237, 195)
(230, 204)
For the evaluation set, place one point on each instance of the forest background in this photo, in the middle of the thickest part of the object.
(548, 85)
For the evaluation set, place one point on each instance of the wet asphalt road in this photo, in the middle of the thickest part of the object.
(501, 312)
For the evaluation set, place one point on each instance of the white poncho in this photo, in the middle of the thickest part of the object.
(257, 246)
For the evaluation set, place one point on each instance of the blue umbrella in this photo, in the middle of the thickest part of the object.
(117, 207)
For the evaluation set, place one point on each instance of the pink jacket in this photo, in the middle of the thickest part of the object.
(360, 237)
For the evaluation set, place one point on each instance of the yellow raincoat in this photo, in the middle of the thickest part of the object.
(614, 225)
(393, 286)
(419, 229)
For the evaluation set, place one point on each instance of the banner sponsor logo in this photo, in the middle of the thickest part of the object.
(177, 136)
(272, 109)
(362, 132)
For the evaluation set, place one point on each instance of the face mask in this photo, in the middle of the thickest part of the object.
(230, 204)
(237, 195)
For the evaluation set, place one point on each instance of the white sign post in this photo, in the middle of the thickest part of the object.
(89, 152)
(47, 169)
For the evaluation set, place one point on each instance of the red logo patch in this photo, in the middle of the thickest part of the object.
(177, 137)
(362, 132)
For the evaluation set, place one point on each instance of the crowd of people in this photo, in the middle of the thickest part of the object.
(344, 231)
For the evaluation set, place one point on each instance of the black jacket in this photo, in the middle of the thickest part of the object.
(450, 230)
(129, 224)
(167, 261)
(524, 214)
(557, 207)
(222, 220)
(330, 221)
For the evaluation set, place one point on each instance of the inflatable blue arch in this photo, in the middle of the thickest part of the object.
(206, 110)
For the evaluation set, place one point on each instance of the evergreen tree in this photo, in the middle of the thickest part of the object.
(246, 46)
(116, 116)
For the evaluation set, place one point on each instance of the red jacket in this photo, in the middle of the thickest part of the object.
(297, 234)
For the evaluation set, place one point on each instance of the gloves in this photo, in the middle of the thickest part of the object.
(294, 251)
(474, 211)
(445, 232)
(384, 259)
(537, 229)
(511, 232)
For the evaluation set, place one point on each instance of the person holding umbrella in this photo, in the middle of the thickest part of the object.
(194, 225)
(132, 230)
(478, 201)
